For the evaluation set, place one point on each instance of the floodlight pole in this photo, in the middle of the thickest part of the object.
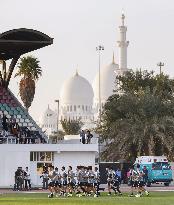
(57, 101)
(99, 49)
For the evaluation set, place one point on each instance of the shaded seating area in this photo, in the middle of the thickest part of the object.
(11, 108)
(28, 131)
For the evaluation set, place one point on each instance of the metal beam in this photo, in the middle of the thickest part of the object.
(10, 70)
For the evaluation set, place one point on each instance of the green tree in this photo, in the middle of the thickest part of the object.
(71, 127)
(140, 121)
(29, 71)
(137, 82)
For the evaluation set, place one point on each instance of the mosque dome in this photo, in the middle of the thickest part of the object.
(76, 90)
(76, 99)
(107, 82)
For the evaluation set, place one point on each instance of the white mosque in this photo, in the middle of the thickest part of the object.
(81, 100)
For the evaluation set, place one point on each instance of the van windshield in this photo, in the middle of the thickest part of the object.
(161, 166)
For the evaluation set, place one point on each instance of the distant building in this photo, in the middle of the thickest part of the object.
(79, 99)
(48, 121)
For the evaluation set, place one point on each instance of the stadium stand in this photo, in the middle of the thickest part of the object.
(30, 132)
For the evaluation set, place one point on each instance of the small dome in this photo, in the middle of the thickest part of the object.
(107, 82)
(76, 91)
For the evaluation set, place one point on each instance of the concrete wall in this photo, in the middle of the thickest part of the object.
(9, 161)
(74, 159)
(13, 156)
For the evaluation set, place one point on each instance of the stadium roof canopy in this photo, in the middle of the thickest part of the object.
(17, 42)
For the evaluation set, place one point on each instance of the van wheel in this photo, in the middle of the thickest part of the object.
(166, 184)
(148, 184)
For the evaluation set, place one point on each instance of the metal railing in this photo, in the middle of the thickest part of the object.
(29, 140)
(14, 140)
(73, 141)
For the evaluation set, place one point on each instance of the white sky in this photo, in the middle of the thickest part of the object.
(78, 26)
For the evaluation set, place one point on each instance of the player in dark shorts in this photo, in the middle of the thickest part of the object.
(131, 181)
(135, 178)
(51, 184)
(58, 183)
(79, 181)
(71, 181)
(91, 182)
(97, 181)
(116, 185)
(110, 178)
(82, 181)
(85, 180)
(141, 185)
(64, 180)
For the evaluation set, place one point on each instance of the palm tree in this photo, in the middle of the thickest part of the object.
(29, 71)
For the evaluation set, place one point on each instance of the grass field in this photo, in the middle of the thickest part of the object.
(155, 198)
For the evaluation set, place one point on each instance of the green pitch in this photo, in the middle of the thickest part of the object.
(155, 198)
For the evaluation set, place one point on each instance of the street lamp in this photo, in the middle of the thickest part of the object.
(57, 101)
(99, 49)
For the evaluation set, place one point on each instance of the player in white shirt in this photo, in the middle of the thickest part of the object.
(51, 175)
(71, 181)
(91, 182)
(97, 181)
(110, 178)
(58, 183)
(64, 180)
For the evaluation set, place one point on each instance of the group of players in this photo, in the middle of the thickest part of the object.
(138, 182)
(84, 181)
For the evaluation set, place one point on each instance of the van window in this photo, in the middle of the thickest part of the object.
(161, 165)
(156, 166)
(166, 166)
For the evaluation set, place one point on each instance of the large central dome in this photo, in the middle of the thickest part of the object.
(76, 90)
(76, 99)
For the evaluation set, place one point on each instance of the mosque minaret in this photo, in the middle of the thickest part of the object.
(123, 44)
(79, 99)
